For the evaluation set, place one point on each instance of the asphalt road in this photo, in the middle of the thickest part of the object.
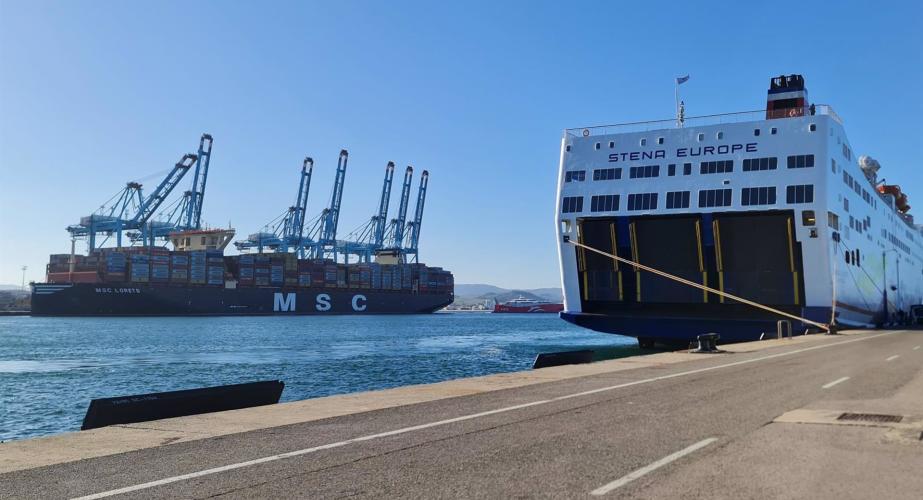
(643, 433)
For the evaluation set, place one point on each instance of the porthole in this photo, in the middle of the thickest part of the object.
(756, 132)
(611, 144)
(812, 127)
(773, 131)
(643, 142)
(719, 135)
(597, 145)
(567, 148)
(660, 140)
(701, 137)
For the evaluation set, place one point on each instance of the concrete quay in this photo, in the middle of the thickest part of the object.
(761, 420)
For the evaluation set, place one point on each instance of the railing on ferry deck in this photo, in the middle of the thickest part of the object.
(693, 121)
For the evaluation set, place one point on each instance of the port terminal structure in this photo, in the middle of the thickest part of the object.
(133, 218)
(394, 241)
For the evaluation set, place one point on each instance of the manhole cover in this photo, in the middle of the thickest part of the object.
(870, 417)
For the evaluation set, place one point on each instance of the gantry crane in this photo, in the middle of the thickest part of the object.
(131, 209)
(370, 237)
(325, 244)
(286, 232)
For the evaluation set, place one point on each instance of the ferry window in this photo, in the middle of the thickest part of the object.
(812, 127)
(756, 132)
(575, 176)
(858, 257)
(715, 198)
(716, 167)
(660, 140)
(571, 204)
(643, 172)
(567, 148)
(643, 142)
(701, 137)
(611, 144)
(719, 135)
(597, 145)
(607, 174)
(758, 196)
(671, 169)
(642, 201)
(772, 131)
(801, 161)
(846, 255)
(801, 193)
(752, 164)
(677, 199)
(188, 242)
(807, 218)
(833, 165)
(846, 204)
(833, 220)
(687, 169)
(604, 203)
(203, 240)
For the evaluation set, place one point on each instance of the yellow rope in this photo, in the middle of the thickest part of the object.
(701, 287)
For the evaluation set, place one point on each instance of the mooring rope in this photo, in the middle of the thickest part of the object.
(700, 286)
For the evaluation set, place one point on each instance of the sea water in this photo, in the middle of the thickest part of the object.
(50, 368)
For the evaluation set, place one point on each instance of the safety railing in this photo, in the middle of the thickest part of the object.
(694, 121)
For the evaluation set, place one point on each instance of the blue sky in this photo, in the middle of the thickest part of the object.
(93, 94)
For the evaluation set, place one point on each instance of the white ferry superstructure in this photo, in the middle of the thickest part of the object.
(771, 205)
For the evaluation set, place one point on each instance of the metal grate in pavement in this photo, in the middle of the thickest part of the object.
(870, 417)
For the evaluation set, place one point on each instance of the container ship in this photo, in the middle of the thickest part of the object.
(294, 266)
(524, 305)
(771, 205)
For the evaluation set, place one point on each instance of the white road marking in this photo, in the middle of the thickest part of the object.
(305, 451)
(622, 481)
(892, 358)
(835, 382)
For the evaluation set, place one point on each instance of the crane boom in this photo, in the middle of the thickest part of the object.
(398, 223)
(153, 200)
(332, 215)
(200, 177)
(382, 220)
(414, 226)
(301, 205)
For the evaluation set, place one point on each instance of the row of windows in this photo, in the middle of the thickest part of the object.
(671, 169)
(607, 174)
(717, 167)
(801, 161)
(751, 164)
(604, 203)
(802, 193)
(857, 187)
(645, 171)
(575, 176)
(642, 201)
(677, 199)
(708, 198)
(572, 204)
(758, 196)
(715, 198)
(899, 243)
(718, 135)
(852, 257)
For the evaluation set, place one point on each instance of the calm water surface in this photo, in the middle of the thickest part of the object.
(50, 368)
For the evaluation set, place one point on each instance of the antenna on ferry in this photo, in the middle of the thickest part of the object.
(680, 105)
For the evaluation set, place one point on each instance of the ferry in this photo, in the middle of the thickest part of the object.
(524, 305)
(772, 206)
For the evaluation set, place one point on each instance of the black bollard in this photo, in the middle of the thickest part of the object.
(707, 342)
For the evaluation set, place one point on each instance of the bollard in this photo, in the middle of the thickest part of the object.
(831, 329)
(788, 328)
(707, 342)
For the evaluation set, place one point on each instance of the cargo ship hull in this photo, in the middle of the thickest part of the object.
(133, 299)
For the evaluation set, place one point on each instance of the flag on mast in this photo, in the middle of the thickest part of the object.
(682, 79)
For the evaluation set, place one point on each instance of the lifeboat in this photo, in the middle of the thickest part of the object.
(900, 199)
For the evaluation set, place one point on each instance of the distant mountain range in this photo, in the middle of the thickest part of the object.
(469, 294)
